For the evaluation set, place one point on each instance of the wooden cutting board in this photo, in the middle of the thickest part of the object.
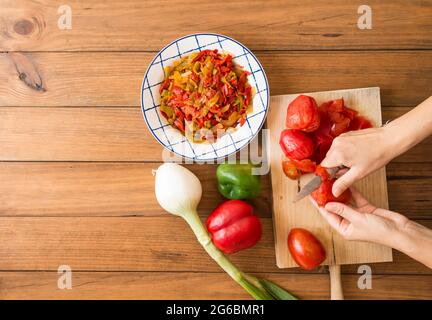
(287, 215)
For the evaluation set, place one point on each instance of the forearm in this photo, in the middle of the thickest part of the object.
(415, 241)
(410, 129)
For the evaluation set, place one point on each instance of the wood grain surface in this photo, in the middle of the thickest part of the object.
(76, 156)
(114, 78)
(103, 134)
(127, 189)
(188, 285)
(270, 25)
(162, 243)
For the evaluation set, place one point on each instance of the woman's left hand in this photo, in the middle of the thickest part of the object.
(363, 222)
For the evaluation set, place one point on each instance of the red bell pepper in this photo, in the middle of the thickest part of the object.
(233, 226)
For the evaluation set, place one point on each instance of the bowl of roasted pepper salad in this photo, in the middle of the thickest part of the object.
(204, 96)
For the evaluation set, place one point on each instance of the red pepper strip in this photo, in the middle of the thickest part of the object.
(165, 85)
(179, 123)
(241, 82)
(233, 226)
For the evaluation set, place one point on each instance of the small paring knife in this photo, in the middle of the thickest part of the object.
(314, 184)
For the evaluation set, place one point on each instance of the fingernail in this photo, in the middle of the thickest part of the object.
(332, 206)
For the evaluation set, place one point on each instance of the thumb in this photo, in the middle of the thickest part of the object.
(342, 210)
(330, 160)
(344, 182)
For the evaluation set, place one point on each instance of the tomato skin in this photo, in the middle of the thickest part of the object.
(324, 194)
(296, 144)
(303, 114)
(306, 250)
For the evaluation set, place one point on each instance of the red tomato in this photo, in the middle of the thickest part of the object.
(338, 115)
(322, 172)
(294, 168)
(305, 248)
(322, 149)
(349, 113)
(296, 144)
(324, 194)
(303, 114)
(305, 165)
(340, 127)
(359, 123)
(322, 134)
(333, 106)
(290, 170)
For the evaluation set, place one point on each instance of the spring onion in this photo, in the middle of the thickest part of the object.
(179, 191)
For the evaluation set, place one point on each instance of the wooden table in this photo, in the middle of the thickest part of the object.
(76, 157)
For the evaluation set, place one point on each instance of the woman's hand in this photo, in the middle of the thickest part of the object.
(365, 222)
(362, 151)
(365, 151)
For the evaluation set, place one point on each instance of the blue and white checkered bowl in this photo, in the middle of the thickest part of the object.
(171, 138)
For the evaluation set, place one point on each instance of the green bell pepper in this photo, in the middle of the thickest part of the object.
(235, 181)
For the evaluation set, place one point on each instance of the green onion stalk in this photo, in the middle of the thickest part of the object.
(179, 192)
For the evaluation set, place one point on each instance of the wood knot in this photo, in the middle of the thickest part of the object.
(27, 71)
(24, 27)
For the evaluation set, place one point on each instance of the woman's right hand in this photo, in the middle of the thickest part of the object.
(365, 151)
(362, 151)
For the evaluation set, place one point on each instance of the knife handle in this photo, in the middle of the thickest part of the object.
(336, 292)
(333, 171)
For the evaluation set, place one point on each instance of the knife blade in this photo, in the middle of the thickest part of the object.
(314, 184)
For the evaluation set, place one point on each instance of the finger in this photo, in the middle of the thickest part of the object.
(358, 198)
(344, 182)
(390, 215)
(342, 210)
(331, 160)
(341, 172)
(334, 220)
